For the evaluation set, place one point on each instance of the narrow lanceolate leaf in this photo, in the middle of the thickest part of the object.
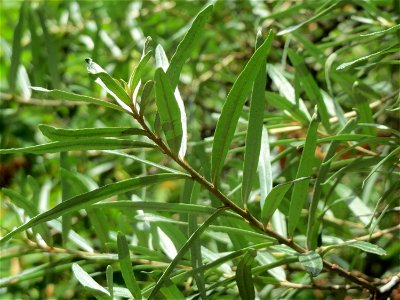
(273, 200)
(161, 58)
(109, 84)
(168, 109)
(361, 103)
(365, 246)
(80, 145)
(325, 8)
(187, 45)
(310, 87)
(388, 157)
(87, 281)
(52, 49)
(61, 95)
(300, 189)
(61, 134)
(126, 267)
(232, 108)
(362, 59)
(29, 209)
(182, 251)
(254, 130)
(195, 251)
(265, 167)
(67, 192)
(17, 48)
(89, 198)
(137, 73)
(244, 278)
(162, 62)
(289, 107)
(312, 263)
(146, 99)
(313, 223)
(110, 280)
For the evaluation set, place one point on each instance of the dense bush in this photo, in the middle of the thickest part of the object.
(250, 149)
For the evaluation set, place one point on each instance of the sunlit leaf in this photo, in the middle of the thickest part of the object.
(80, 145)
(170, 114)
(300, 190)
(254, 130)
(61, 134)
(186, 46)
(86, 280)
(233, 106)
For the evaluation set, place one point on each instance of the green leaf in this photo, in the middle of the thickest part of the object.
(168, 109)
(364, 246)
(89, 198)
(254, 130)
(86, 280)
(109, 84)
(67, 192)
(157, 206)
(77, 183)
(61, 134)
(232, 108)
(162, 62)
(385, 159)
(161, 58)
(144, 161)
(187, 45)
(273, 200)
(137, 73)
(110, 280)
(366, 57)
(284, 104)
(312, 226)
(30, 210)
(265, 167)
(146, 98)
(322, 11)
(387, 30)
(287, 91)
(300, 190)
(311, 88)
(244, 278)
(361, 103)
(17, 48)
(126, 267)
(192, 190)
(36, 49)
(53, 61)
(80, 145)
(61, 95)
(171, 291)
(182, 251)
(312, 263)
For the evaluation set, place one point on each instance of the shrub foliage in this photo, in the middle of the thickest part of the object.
(206, 151)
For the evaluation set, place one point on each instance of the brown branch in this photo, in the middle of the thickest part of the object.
(245, 214)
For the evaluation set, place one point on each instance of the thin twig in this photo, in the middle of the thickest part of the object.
(379, 233)
(245, 214)
(333, 287)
